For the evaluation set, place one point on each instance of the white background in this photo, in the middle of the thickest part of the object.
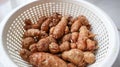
(111, 7)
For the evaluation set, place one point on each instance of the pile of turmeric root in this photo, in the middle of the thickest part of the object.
(58, 41)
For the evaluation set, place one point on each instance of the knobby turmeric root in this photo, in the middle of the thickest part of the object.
(74, 56)
(32, 33)
(65, 46)
(26, 42)
(42, 59)
(54, 47)
(76, 25)
(45, 25)
(89, 57)
(60, 28)
(58, 41)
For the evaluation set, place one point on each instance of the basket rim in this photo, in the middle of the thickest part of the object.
(113, 50)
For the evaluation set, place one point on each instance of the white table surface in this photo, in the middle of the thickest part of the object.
(111, 7)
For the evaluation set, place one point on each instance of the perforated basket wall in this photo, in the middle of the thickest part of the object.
(37, 9)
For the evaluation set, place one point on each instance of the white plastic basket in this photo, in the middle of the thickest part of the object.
(12, 29)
